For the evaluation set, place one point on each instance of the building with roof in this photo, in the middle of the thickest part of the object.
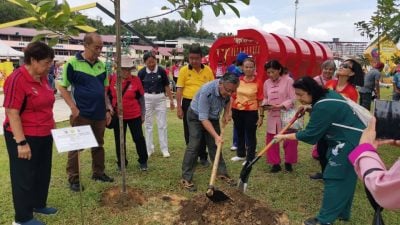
(18, 38)
(346, 49)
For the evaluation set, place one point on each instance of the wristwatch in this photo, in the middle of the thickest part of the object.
(22, 143)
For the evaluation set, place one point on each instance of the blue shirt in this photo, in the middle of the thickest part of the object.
(208, 102)
(153, 81)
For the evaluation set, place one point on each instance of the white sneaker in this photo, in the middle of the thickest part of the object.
(237, 158)
(166, 155)
(233, 148)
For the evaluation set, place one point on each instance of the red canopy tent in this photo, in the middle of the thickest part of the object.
(300, 56)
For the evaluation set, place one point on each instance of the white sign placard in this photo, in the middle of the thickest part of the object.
(74, 138)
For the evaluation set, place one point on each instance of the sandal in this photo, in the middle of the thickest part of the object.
(231, 182)
(188, 185)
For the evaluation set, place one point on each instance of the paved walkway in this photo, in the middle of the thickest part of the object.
(61, 110)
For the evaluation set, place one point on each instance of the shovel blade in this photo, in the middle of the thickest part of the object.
(244, 176)
(218, 196)
(242, 186)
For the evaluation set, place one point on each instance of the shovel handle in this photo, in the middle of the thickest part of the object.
(298, 115)
(216, 159)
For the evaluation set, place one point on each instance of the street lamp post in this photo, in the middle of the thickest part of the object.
(295, 17)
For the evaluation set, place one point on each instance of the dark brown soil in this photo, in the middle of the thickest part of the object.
(199, 210)
(240, 210)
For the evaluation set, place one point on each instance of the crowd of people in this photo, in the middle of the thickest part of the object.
(344, 146)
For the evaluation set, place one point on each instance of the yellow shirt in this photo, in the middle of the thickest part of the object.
(190, 80)
(248, 95)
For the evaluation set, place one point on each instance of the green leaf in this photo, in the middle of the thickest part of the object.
(65, 8)
(46, 9)
(187, 14)
(216, 10)
(235, 10)
(247, 2)
(165, 8)
(222, 8)
(61, 20)
(51, 13)
(38, 37)
(26, 5)
(79, 19)
(53, 41)
(198, 15)
(190, 6)
(42, 3)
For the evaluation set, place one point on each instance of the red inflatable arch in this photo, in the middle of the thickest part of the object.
(300, 56)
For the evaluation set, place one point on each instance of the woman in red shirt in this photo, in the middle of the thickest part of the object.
(28, 103)
(350, 75)
(133, 111)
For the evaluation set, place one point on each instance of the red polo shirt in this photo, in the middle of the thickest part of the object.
(130, 101)
(37, 115)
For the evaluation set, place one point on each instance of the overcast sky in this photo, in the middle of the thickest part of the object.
(319, 20)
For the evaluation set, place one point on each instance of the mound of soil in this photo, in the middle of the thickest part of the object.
(239, 209)
(170, 209)
(115, 198)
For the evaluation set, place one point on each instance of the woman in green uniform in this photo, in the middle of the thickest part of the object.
(336, 123)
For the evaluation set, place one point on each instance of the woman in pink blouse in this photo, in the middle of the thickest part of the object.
(383, 184)
(278, 95)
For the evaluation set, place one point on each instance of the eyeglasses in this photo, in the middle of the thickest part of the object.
(229, 91)
(345, 66)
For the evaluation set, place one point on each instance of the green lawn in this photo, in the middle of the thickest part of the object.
(294, 193)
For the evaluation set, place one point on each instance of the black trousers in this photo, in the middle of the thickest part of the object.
(202, 148)
(322, 148)
(135, 126)
(30, 179)
(365, 100)
(245, 123)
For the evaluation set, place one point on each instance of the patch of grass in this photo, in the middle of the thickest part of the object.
(294, 193)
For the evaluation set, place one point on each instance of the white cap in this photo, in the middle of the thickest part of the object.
(126, 62)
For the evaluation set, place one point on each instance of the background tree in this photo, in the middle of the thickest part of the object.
(363, 61)
(192, 9)
(54, 17)
(385, 21)
(204, 34)
(99, 25)
(204, 50)
(224, 34)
